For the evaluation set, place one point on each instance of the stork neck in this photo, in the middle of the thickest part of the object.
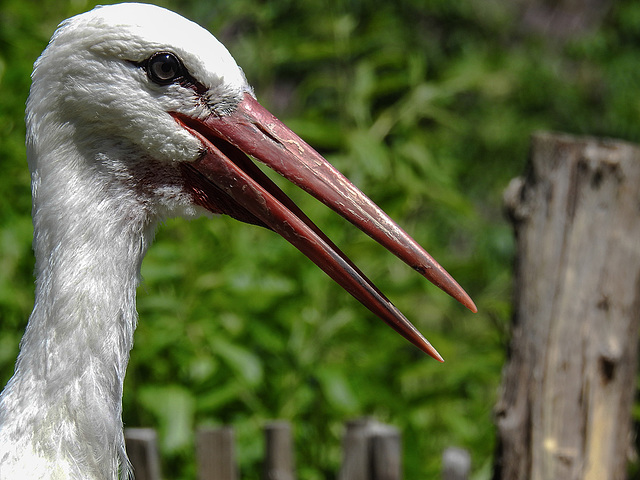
(84, 316)
(89, 244)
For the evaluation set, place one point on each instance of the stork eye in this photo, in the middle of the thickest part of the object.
(164, 68)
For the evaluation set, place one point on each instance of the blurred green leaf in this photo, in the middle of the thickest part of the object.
(174, 409)
(245, 364)
(337, 390)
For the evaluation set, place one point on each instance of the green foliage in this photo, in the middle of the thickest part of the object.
(427, 105)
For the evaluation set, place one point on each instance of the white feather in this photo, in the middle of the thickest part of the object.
(103, 154)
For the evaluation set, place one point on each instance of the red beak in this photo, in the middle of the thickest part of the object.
(224, 180)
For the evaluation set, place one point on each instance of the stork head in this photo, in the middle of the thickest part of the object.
(153, 102)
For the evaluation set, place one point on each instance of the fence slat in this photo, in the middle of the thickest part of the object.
(456, 464)
(355, 448)
(372, 451)
(142, 449)
(215, 452)
(279, 461)
(386, 461)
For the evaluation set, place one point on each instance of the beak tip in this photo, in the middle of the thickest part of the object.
(434, 353)
(470, 304)
(429, 349)
(457, 292)
(443, 280)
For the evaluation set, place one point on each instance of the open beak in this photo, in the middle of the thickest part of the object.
(225, 180)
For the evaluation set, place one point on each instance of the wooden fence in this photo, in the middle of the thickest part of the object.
(371, 451)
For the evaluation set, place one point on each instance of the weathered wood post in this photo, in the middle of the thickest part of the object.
(215, 452)
(279, 463)
(372, 451)
(568, 386)
(456, 464)
(142, 448)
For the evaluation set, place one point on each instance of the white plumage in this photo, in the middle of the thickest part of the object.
(93, 219)
(108, 138)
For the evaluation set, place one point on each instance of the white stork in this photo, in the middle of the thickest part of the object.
(136, 114)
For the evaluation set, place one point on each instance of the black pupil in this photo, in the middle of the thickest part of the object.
(164, 68)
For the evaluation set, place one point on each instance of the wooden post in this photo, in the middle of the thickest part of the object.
(355, 448)
(215, 452)
(142, 449)
(279, 459)
(568, 386)
(386, 461)
(456, 464)
(372, 451)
